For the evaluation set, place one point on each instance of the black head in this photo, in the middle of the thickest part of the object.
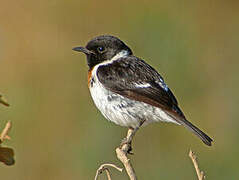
(103, 48)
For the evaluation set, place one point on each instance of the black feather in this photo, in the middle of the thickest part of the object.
(125, 75)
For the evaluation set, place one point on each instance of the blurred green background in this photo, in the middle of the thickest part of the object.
(58, 133)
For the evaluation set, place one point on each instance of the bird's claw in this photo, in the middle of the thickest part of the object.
(126, 141)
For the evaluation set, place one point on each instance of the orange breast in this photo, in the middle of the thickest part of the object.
(89, 76)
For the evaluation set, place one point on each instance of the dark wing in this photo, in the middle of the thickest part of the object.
(133, 78)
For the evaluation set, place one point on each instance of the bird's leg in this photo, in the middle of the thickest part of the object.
(129, 137)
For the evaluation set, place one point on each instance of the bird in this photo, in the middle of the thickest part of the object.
(127, 90)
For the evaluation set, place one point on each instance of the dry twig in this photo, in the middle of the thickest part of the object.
(121, 152)
(122, 156)
(4, 134)
(193, 157)
(6, 153)
(2, 101)
(104, 167)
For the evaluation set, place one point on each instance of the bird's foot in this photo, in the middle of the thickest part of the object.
(127, 148)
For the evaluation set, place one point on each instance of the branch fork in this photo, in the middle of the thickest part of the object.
(122, 151)
(122, 154)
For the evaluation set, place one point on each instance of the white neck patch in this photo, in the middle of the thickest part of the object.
(121, 54)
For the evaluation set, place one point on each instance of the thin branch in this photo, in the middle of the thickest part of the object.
(4, 134)
(122, 156)
(104, 167)
(108, 173)
(3, 101)
(193, 157)
(6, 153)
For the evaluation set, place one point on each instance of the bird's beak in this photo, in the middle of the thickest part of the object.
(83, 49)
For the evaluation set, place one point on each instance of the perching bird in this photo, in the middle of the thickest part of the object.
(127, 90)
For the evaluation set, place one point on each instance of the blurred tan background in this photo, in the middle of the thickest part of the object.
(58, 133)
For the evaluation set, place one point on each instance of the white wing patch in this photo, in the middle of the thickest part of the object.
(146, 85)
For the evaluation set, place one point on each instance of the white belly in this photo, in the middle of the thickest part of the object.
(124, 111)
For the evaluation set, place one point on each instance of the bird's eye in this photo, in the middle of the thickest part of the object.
(101, 49)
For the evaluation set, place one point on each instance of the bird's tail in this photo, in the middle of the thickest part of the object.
(205, 138)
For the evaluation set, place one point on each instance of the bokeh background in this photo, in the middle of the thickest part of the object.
(58, 133)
